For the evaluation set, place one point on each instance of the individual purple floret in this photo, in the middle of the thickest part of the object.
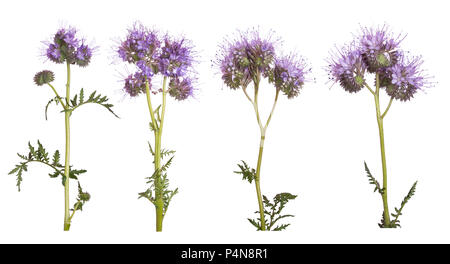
(175, 58)
(289, 74)
(66, 47)
(181, 89)
(379, 47)
(244, 59)
(135, 84)
(404, 79)
(347, 67)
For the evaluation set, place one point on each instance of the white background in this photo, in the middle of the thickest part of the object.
(315, 146)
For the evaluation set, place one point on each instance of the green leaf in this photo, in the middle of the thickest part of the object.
(398, 211)
(40, 155)
(56, 159)
(165, 152)
(273, 212)
(151, 149)
(248, 173)
(158, 116)
(94, 98)
(255, 223)
(372, 180)
(81, 96)
(159, 183)
(36, 154)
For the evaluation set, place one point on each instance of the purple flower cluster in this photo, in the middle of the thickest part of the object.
(152, 55)
(402, 80)
(245, 59)
(180, 89)
(66, 47)
(251, 56)
(378, 51)
(141, 47)
(135, 84)
(379, 48)
(289, 74)
(348, 68)
(175, 58)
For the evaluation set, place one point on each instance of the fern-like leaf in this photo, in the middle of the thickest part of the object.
(247, 173)
(40, 155)
(273, 212)
(398, 211)
(372, 180)
(94, 98)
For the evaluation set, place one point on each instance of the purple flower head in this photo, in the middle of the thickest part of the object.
(176, 57)
(377, 51)
(66, 47)
(172, 58)
(141, 47)
(83, 55)
(379, 47)
(135, 84)
(289, 74)
(347, 67)
(245, 59)
(404, 79)
(181, 89)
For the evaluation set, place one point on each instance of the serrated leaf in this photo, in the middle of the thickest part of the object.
(247, 173)
(93, 98)
(372, 180)
(272, 212)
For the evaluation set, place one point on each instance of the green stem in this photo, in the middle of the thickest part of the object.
(261, 149)
(149, 103)
(384, 195)
(387, 108)
(159, 199)
(67, 157)
(258, 186)
(57, 96)
(273, 109)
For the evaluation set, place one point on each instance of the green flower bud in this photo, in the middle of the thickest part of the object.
(44, 77)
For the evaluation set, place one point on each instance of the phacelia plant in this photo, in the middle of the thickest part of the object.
(64, 48)
(153, 56)
(376, 53)
(247, 60)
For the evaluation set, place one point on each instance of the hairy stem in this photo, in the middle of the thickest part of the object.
(159, 199)
(387, 221)
(67, 218)
(258, 186)
(261, 149)
(159, 195)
